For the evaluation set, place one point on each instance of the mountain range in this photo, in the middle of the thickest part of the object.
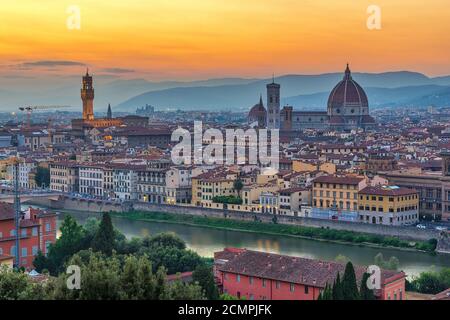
(237, 94)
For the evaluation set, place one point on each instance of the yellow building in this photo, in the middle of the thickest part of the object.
(388, 205)
(337, 192)
(211, 184)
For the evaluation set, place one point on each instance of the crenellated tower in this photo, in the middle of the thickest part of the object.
(87, 96)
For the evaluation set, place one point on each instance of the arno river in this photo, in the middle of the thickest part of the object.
(206, 241)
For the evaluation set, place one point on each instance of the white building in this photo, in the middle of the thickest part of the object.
(91, 180)
(125, 179)
(179, 184)
(25, 167)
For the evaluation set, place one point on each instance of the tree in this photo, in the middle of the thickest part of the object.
(337, 291)
(167, 240)
(68, 244)
(42, 177)
(364, 292)
(104, 239)
(349, 286)
(238, 185)
(179, 290)
(204, 277)
(326, 293)
(16, 285)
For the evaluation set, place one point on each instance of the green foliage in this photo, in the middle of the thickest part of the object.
(166, 240)
(337, 290)
(178, 290)
(226, 296)
(341, 258)
(349, 286)
(16, 285)
(431, 282)
(112, 278)
(327, 293)
(42, 177)
(276, 228)
(391, 264)
(104, 239)
(238, 185)
(365, 293)
(227, 200)
(70, 242)
(204, 277)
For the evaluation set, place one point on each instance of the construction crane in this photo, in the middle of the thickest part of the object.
(14, 162)
(30, 109)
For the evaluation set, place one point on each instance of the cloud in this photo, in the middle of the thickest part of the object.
(48, 63)
(117, 70)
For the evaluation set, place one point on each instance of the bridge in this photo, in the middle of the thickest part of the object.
(31, 197)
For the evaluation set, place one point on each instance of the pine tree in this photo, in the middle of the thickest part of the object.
(349, 286)
(365, 293)
(105, 236)
(337, 293)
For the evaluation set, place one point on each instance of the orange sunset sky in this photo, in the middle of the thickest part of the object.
(196, 39)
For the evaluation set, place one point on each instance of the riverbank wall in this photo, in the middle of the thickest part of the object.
(406, 233)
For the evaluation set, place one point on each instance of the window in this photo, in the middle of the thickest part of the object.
(12, 251)
(238, 278)
(48, 227)
(23, 232)
(250, 280)
(24, 252)
(264, 283)
(292, 287)
(34, 250)
(277, 284)
(306, 289)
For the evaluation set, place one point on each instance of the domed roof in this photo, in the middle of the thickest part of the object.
(257, 110)
(347, 93)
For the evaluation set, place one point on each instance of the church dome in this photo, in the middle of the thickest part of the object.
(348, 98)
(258, 114)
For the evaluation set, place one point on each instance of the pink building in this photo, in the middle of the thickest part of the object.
(265, 276)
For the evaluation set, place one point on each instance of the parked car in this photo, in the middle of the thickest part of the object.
(439, 228)
(421, 226)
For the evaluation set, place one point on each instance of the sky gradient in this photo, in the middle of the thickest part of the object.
(197, 39)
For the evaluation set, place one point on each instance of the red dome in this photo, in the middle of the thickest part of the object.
(347, 93)
(258, 113)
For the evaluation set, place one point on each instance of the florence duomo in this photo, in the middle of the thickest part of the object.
(347, 108)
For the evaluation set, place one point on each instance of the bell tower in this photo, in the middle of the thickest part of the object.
(273, 105)
(87, 96)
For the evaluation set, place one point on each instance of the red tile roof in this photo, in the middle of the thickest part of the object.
(290, 269)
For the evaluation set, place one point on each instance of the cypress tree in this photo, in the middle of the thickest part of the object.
(365, 293)
(104, 238)
(337, 293)
(349, 286)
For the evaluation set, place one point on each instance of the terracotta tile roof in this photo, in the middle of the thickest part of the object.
(291, 269)
(388, 191)
(339, 180)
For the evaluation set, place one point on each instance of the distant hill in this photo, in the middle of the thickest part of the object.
(301, 91)
(382, 97)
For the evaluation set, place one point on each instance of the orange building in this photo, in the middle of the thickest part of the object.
(37, 231)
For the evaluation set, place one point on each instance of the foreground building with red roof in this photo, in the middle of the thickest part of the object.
(266, 276)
